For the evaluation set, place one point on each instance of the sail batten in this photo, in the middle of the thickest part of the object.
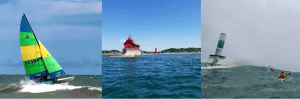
(37, 61)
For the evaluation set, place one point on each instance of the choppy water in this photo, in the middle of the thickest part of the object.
(16, 86)
(248, 82)
(152, 76)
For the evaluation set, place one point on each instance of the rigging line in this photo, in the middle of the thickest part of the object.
(33, 33)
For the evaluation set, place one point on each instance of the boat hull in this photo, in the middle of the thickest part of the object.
(64, 80)
(46, 82)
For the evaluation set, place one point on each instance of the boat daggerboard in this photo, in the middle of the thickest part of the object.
(37, 60)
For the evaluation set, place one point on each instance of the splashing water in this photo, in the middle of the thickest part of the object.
(27, 82)
(226, 62)
(222, 63)
(31, 86)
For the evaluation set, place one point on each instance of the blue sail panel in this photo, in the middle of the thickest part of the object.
(57, 73)
(38, 75)
(24, 25)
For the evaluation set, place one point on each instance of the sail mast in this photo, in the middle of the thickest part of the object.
(52, 68)
(32, 32)
(35, 39)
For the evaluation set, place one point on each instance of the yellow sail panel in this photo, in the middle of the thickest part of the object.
(44, 51)
(54, 69)
(30, 52)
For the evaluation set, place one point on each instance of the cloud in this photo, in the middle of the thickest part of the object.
(123, 40)
(52, 19)
(63, 7)
(64, 31)
(42, 10)
(120, 42)
(185, 38)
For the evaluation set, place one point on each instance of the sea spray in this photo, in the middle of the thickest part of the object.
(227, 62)
(41, 88)
(222, 63)
(27, 81)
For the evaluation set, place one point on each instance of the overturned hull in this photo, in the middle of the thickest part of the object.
(214, 59)
(206, 64)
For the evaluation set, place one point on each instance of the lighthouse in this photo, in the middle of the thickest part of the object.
(131, 48)
(155, 50)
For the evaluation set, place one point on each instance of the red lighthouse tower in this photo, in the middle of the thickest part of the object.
(155, 50)
(131, 44)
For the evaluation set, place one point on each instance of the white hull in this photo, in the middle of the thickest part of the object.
(63, 80)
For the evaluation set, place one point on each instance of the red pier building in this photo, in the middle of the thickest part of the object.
(131, 47)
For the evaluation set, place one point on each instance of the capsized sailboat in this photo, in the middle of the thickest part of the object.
(38, 63)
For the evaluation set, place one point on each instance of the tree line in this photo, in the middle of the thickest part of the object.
(170, 50)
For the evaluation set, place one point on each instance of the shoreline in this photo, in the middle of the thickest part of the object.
(150, 54)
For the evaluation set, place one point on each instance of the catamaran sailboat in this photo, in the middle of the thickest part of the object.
(39, 65)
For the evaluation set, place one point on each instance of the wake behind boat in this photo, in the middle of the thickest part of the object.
(39, 65)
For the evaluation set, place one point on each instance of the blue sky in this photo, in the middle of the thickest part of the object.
(152, 23)
(71, 30)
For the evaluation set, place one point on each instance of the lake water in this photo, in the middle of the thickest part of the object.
(152, 76)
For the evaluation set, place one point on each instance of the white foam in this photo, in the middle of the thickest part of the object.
(96, 88)
(222, 63)
(32, 87)
(41, 88)
(9, 86)
(226, 62)
(27, 82)
(215, 67)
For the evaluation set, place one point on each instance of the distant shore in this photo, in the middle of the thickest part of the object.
(119, 54)
(189, 50)
(182, 53)
(111, 53)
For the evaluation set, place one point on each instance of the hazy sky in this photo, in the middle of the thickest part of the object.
(71, 30)
(152, 23)
(259, 32)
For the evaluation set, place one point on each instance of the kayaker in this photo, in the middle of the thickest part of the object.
(282, 75)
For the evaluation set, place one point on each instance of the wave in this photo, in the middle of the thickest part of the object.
(215, 67)
(29, 86)
(222, 63)
(260, 81)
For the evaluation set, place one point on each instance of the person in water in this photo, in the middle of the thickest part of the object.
(282, 75)
(272, 69)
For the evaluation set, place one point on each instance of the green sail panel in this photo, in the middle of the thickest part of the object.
(34, 66)
(31, 54)
(27, 39)
(54, 69)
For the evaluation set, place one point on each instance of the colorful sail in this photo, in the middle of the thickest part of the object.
(37, 61)
(54, 69)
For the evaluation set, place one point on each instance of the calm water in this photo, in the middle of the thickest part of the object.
(248, 82)
(152, 76)
(83, 86)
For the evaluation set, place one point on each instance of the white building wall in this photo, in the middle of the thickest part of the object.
(131, 52)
